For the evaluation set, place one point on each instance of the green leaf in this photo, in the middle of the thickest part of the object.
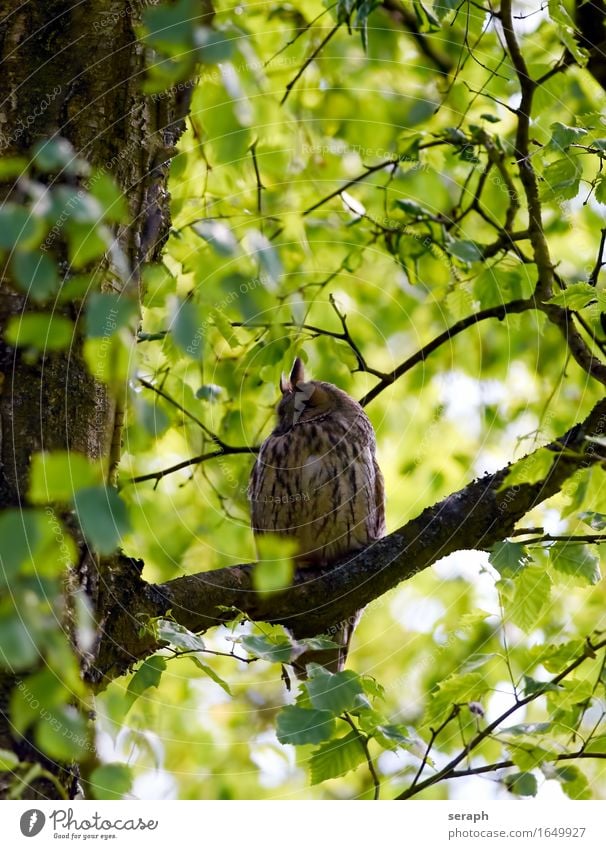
(171, 28)
(455, 690)
(8, 760)
(566, 30)
(597, 521)
(19, 227)
(529, 469)
(86, 242)
(103, 517)
(33, 542)
(563, 136)
(600, 191)
(275, 567)
(35, 273)
(299, 726)
(521, 783)
(109, 197)
(64, 735)
(107, 312)
(110, 781)
(210, 672)
(336, 758)
(562, 179)
(527, 598)
(464, 250)
(147, 675)
(277, 650)
(56, 154)
(508, 558)
(265, 254)
(185, 327)
(411, 207)
(213, 45)
(575, 297)
(178, 636)
(56, 476)
(42, 691)
(18, 648)
(157, 283)
(39, 331)
(218, 235)
(337, 693)
(576, 560)
(574, 782)
(13, 166)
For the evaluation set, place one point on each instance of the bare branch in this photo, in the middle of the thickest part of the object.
(447, 771)
(499, 312)
(475, 517)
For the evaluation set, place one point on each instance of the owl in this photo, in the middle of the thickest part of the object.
(317, 481)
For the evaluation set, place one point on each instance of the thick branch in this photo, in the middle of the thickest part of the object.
(475, 517)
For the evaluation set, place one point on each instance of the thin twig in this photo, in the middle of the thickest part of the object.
(308, 62)
(364, 743)
(446, 771)
(499, 312)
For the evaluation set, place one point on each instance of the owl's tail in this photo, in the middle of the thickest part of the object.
(332, 659)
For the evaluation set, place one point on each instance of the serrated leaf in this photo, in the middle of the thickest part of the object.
(508, 558)
(562, 179)
(336, 758)
(179, 636)
(455, 690)
(563, 136)
(299, 726)
(575, 297)
(335, 692)
(274, 651)
(527, 597)
(521, 783)
(577, 560)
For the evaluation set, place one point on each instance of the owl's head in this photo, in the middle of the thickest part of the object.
(305, 400)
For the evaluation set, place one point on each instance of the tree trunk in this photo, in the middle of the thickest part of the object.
(76, 72)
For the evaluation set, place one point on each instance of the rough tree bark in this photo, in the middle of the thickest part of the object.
(75, 70)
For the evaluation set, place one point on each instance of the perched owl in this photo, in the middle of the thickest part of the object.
(316, 480)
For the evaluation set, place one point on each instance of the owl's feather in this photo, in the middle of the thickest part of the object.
(316, 478)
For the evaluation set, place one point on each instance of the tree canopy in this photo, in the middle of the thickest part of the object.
(410, 197)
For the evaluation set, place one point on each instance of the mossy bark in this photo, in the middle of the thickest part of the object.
(75, 71)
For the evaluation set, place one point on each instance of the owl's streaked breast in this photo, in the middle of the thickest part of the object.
(319, 483)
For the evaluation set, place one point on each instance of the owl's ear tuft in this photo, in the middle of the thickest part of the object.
(285, 385)
(297, 374)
